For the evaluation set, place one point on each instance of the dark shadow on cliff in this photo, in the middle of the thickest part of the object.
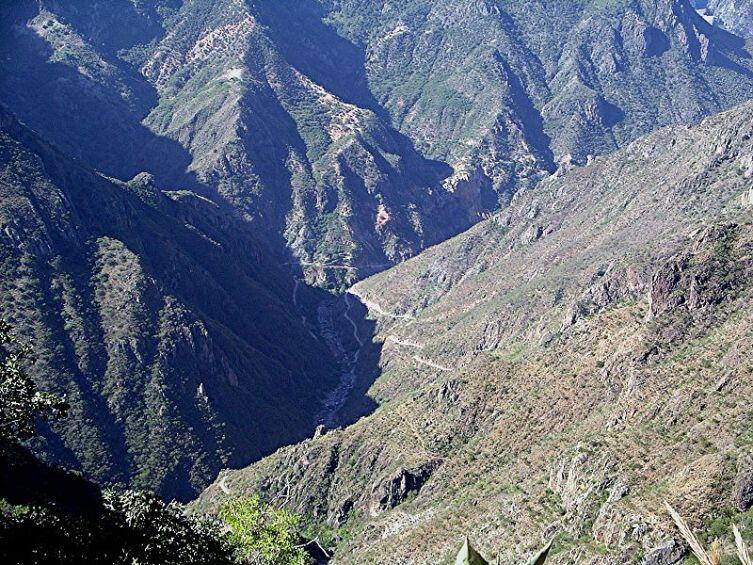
(94, 119)
(317, 50)
(367, 367)
(234, 291)
(307, 43)
(728, 51)
(261, 372)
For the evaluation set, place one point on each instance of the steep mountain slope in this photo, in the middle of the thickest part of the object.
(318, 139)
(230, 117)
(513, 87)
(353, 134)
(733, 15)
(161, 317)
(560, 369)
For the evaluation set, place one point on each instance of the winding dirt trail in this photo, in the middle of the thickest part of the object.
(417, 358)
(397, 341)
(376, 308)
(352, 322)
(330, 318)
(432, 364)
(373, 307)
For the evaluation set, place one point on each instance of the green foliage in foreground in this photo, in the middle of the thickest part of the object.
(469, 556)
(130, 528)
(262, 534)
(135, 528)
(20, 401)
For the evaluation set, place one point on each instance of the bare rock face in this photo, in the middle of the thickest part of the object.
(583, 480)
(608, 287)
(743, 491)
(399, 485)
(667, 554)
(698, 278)
(735, 16)
(361, 134)
(341, 513)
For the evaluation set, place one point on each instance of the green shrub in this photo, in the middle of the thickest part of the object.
(20, 401)
(262, 534)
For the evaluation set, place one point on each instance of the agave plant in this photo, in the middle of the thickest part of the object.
(712, 556)
(541, 556)
(469, 556)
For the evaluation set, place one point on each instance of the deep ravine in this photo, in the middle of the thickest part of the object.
(335, 317)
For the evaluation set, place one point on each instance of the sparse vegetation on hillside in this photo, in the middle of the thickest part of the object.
(580, 355)
(163, 320)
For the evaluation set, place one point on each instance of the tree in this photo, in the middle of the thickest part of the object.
(262, 534)
(155, 533)
(20, 401)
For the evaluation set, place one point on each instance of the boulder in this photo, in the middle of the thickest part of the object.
(396, 487)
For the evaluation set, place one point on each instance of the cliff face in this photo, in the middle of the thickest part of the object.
(353, 134)
(735, 16)
(159, 315)
(562, 368)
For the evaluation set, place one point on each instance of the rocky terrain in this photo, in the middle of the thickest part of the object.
(735, 16)
(559, 370)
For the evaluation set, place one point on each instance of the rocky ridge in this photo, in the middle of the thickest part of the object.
(735, 16)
